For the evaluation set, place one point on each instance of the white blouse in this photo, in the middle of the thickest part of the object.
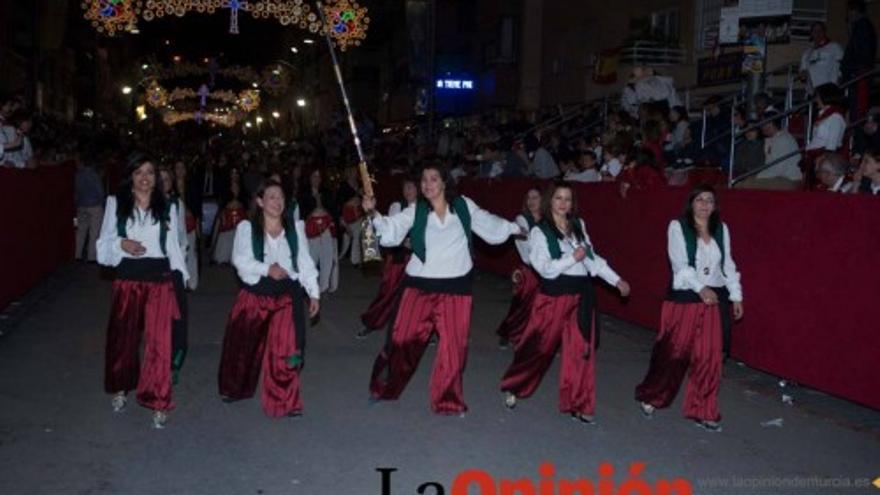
(828, 133)
(550, 268)
(447, 253)
(275, 250)
(708, 260)
(144, 230)
(522, 245)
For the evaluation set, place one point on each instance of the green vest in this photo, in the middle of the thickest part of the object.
(122, 230)
(420, 224)
(553, 241)
(530, 220)
(258, 242)
(690, 242)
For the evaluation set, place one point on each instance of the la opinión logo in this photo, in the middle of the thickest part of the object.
(485, 484)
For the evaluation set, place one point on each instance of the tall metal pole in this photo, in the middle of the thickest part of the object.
(732, 142)
(369, 240)
(432, 66)
(338, 72)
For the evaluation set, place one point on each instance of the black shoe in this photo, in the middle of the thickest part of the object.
(433, 340)
(713, 426)
(228, 400)
(363, 333)
(295, 414)
(583, 418)
(503, 343)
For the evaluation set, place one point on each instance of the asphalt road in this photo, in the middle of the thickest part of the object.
(59, 436)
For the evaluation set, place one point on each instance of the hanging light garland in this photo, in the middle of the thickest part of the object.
(173, 117)
(347, 21)
(111, 16)
(159, 97)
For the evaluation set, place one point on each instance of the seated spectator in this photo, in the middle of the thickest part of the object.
(541, 163)
(868, 175)
(866, 137)
(587, 169)
(612, 164)
(679, 123)
(831, 172)
(829, 127)
(780, 152)
(653, 136)
(15, 145)
(641, 174)
(749, 154)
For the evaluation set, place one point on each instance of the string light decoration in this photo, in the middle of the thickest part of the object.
(112, 16)
(173, 117)
(346, 21)
(159, 97)
(247, 75)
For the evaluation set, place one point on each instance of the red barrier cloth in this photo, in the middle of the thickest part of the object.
(141, 308)
(420, 315)
(514, 324)
(553, 322)
(382, 308)
(260, 336)
(808, 261)
(689, 342)
(36, 224)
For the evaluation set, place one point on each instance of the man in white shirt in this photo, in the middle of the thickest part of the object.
(541, 162)
(820, 64)
(778, 143)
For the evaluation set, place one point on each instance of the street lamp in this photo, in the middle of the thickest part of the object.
(308, 41)
(126, 90)
(300, 102)
(276, 115)
(294, 49)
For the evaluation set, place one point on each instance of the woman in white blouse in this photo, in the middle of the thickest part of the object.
(437, 288)
(382, 308)
(694, 321)
(563, 312)
(266, 327)
(525, 280)
(139, 237)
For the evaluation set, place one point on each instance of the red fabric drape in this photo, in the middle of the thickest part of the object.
(808, 261)
(36, 226)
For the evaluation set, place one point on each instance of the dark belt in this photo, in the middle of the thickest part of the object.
(462, 286)
(273, 288)
(691, 297)
(582, 286)
(144, 269)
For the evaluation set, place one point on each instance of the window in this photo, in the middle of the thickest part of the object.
(666, 26)
(708, 17)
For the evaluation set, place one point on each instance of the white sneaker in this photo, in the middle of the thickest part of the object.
(159, 419)
(118, 402)
(509, 400)
(647, 409)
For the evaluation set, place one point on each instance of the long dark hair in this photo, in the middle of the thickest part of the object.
(525, 203)
(574, 223)
(125, 196)
(714, 218)
(449, 190)
(256, 213)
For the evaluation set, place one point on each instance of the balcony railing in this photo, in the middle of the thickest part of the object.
(651, 53)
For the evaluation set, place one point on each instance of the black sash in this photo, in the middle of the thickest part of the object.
(144, 269)
(274, 288)
(583, 286)
(689, 296)
(462, 286)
